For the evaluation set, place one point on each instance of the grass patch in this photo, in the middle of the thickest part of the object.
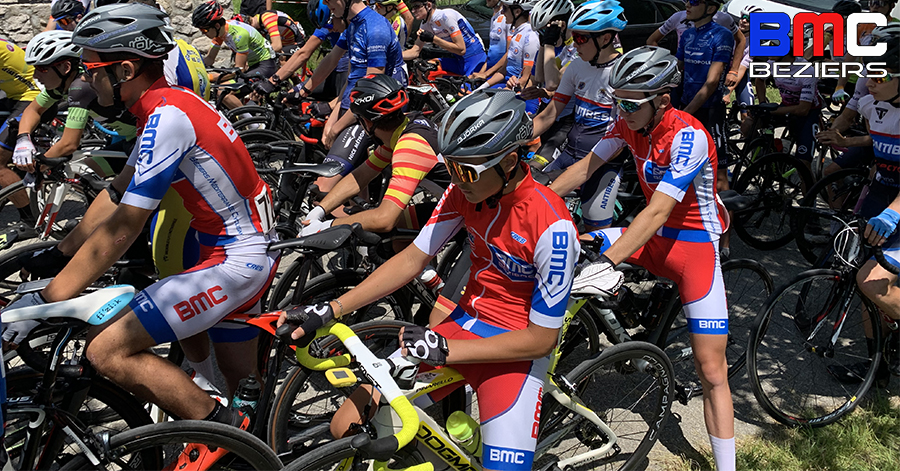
(869, 439)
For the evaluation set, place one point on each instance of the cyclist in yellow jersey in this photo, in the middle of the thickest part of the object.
(390, 9)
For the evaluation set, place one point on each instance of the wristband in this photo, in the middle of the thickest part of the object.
(732, 72)
(308, 91)
(276, 79)
(19, 136)
(341, 306)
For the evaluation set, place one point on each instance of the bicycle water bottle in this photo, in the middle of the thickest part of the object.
(465, 431)
(247, 394)
(432, 280)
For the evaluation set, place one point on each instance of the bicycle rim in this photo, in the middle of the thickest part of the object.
(793, 372)
(630, 387)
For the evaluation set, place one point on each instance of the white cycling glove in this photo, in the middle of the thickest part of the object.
(315, 227)
(840, 96)
(16, 332)
(598, 278)
(24, 152)
(317, 214)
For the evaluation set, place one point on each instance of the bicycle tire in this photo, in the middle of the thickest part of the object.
(171, 437)
(744, 296)
(10, 267)
(839, 193)
(775, 184)
(4, 198)
(293, 424)
(628, 396)
(107, 407)
(789, 372)
(319, 459)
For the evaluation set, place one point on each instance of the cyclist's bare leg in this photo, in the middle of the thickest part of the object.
(712, 367)
(880, 286)
(237, 360)
(351, 411)
(722, 185)
(119, 351)
(8, 177)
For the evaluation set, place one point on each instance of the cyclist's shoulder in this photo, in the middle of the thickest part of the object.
(866, 103)
(9, 51)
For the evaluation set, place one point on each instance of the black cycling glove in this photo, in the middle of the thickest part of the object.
(426, 36)
(549, 35)
(310, 318)
(426, 345)
(44, 263)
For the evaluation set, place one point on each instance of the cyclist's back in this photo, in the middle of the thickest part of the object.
(16, 77)
(184, 67)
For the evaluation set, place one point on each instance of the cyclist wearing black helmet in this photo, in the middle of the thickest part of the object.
(406, 143)
(65, 14)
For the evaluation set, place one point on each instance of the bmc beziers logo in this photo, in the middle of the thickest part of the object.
(770, 37)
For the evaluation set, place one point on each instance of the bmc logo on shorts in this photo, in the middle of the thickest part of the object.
(507, 456)
(708, 326)
(199, 303)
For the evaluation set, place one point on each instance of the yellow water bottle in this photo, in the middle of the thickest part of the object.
(465, 431)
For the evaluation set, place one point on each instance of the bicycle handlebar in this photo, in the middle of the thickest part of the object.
(378, 372)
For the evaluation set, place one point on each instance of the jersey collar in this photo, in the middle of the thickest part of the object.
(148, 101)
(524, 190)
(398, 132)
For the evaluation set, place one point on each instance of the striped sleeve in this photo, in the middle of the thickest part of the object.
(270, 21)
(379, 159)
(412, 160)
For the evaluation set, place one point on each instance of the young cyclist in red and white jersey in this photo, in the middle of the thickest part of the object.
(676, 235)
(187, 145)
(524, 249)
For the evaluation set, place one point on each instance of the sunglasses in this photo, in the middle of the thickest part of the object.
(580, 39)
(877, 3)
(204, 30)
(887, 78)
(65, 21)
(630, 106)
(470, 173)
(745, 17)
(96, 65)
(694, 3)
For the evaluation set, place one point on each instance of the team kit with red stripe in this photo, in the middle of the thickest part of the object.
(186, 144)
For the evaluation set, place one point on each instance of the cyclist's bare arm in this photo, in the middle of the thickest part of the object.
(457, 46)
(800, 109)
(299, 58)
(546, 118)
(210, 58)
(31, 117)
(99, 211)
(325, 68)
(644, 226)
(654, 38)
(579, 172)
(67, 144)
(241, 61)
(530, 343)
(103, 247)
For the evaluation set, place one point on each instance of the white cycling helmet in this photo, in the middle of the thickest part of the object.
(751, 9)
(51, 47)
(545, 11)
(526, 5)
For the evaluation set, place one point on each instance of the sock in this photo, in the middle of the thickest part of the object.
(723, 453)
(220, 414)
(204, 368)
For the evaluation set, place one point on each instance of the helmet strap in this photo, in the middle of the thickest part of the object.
(64, 79)
(522, 13)
(595, 61)
(495, 198)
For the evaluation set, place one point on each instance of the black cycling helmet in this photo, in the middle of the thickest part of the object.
(847, 7)
(66, 8)
(132, 28)
(377, 96)
(206, 14)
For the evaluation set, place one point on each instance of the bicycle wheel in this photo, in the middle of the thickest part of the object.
(798, 353)
(836, 194)
(10, 268)
(630, 387)
(186, 444)
(7, 210)
(747, 286)
(303, 407)
(267, 163)
(106, 408)
(775, 183)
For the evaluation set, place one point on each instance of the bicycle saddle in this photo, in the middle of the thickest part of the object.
(330, 239)
(734, 201)
(94, 309)
(327, 169)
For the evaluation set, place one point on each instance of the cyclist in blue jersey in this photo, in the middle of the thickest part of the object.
(448, 30)
(586, 81)
(498, 36)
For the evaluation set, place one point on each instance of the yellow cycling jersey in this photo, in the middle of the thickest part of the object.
(16, 77)
(184, 67)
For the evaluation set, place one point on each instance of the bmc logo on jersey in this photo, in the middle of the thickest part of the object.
(514, 268)
(202, 302)
(653, 173)
(770, 36)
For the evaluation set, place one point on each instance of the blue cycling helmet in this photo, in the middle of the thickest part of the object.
(319, 14)
(597, 16)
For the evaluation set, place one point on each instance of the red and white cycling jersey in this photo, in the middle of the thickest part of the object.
(678, 159)
(186, 144)
(523, 254)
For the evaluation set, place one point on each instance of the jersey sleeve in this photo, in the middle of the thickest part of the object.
(321, 33)
(402, 8)
(530, 51)
(858, 93)
(377, 42)
(158, 159)
(45, 99)
(444, 223)
(413, 158)
(240, 39)
(79, 99)
(270, 21)
(452, 25)
(379, 159)
(724, 50)
(679, 51)
(607, 147)
(555, 255)
(689, 151)
(669, 25)
(727, 21)
(566, 88)
(342, 41)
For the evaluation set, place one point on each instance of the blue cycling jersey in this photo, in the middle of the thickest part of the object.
(698, 49)
(332, 37)
(372, 43)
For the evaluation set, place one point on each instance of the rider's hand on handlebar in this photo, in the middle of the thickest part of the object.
(424, 344)
(307, 319)
(832, 137)
(535, 92)
(23, 155)
(881, 227)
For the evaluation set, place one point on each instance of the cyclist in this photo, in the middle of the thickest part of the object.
(65, 14)
(881, 110)
(676, 235)
(743, 90)
(521, 51)
(448, 30)
(391, 9)
(499, 335)
(252, 53)
(405, 143)
(278, 28)
(320, 16)
(66, 11)
(800, 101)
(213, 172)
(679, 22)
(846, 83)
(594, 26)
(497, 38)
(17, 82)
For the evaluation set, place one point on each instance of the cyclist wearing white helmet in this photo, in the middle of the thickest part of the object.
(742, 89)
(515, 70)
(448, 30)
(549, 20)
(586, 81)
(676, 235)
